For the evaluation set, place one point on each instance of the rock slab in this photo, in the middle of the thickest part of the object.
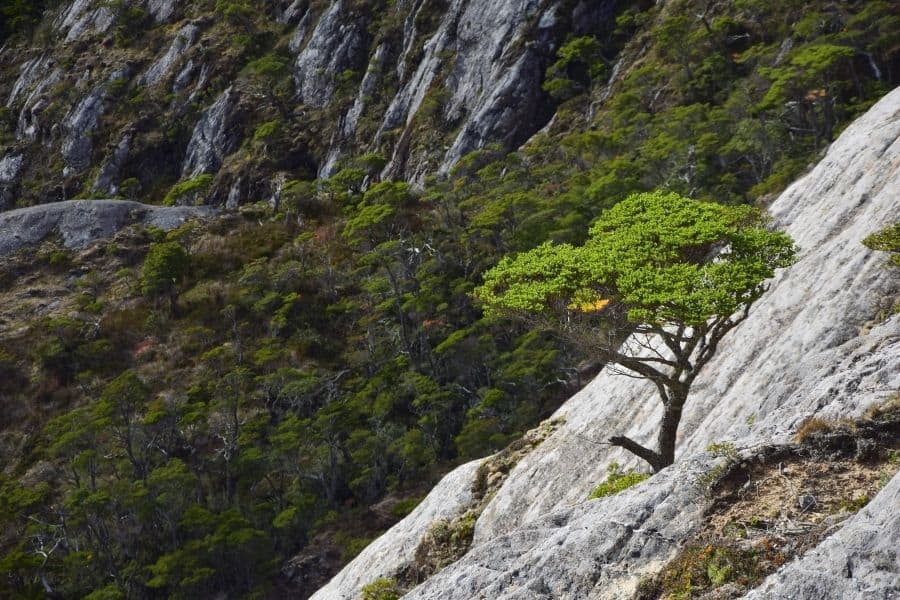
(82, 222)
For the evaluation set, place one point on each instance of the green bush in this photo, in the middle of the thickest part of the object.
(886, 240)
(617, 481)
(188, 190)
(382, 589)
(163, 269)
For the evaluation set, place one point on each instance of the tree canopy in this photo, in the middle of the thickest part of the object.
(675, 274)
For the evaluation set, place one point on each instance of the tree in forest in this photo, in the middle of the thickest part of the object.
(660, 281)
(163, 270)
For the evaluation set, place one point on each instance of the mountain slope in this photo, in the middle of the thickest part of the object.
(537, 537)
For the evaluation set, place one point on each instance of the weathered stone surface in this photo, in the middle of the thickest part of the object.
(162, 10)
(493, 77)
(859, 562)
(183, 40)
(448, 499)
(107, 181)
(212, 138)
(811, 346)
(78, 126)
(594, 549)
(337, 44)
(36, 76)
(85, 17)
(10, 168)
(81, 222)
(799, 353)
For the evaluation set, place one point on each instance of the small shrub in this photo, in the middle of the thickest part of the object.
(617, 481)
(886, 240)
(189, 190)
(885, 410)
(726, 449)
(811, 426)
(60, 258)
(382, 589)
(855, 504)
(267, 130)
(701, 568)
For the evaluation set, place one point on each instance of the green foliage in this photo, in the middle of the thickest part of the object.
(236, 11)
(19, 15)
(164, 267)
(267, 130)
(270, 66)
(578, 62)
(617, 481)
(188, 191)
(698, 569)
(649, 253)
(382, 589)
(886, 240)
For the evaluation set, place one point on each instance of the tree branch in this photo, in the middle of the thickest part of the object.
(638, 450)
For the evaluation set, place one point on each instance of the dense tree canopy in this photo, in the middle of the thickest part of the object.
(677, 274)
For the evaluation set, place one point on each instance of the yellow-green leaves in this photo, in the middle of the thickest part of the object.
(666, 258)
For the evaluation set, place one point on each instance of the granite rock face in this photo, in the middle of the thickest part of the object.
(212, 138)
(82, 222)
(162, 10)
(472, 70)
(163, 66)
(10, 168)
(815, 344)
(449, 498)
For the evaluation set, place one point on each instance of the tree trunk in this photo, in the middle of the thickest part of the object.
(668, 432)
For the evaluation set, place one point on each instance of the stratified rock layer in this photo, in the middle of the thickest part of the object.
(812, 346)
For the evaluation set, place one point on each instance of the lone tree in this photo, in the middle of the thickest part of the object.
(164, 268)
(661, 279)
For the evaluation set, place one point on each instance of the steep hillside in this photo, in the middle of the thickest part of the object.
(240, 238)
(539, 536)
(181, 88)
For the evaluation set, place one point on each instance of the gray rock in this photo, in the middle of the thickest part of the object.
(804, 349)
(78, 126)
(337, 44)
(449, 498)
(348, 126)
(30, 72)
(493, 81)
(212, 138)
(290, 11)
(593, 549)
(107, 181)
(162, 10)
(10, 169)
(499, 114)
(85, 17)
(82, 222)
(183, 40)
(808, 348)
(859, 562)
(36, 76)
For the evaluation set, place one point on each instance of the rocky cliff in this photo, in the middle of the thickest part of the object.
(819, 344)
(180, 90)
